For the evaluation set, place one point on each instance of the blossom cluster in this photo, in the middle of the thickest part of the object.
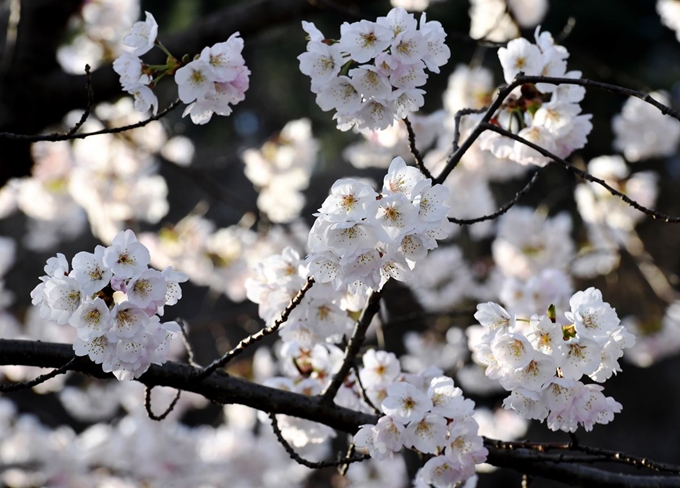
(211, 83)
(108, 180)
(425, 413)
(361, 238)
(372, 74)
(541, 361)
(114, 300)
(545, 114)
(320, 317)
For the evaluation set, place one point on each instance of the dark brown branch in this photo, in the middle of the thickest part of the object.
(222, 388)
(532, 462)
(353, 347)
(596, 454)
(218, 387)
(457, 120)
(147, 405)
(24, 385)
(518, 196)
(90, 102)
(583, 174)
(311, 464)
(252, 339)
(54, 137)
(414, 150)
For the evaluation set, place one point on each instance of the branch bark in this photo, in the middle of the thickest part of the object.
(222, 388)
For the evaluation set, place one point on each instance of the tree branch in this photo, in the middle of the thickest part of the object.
(353, 347)
(222, 388)
(503, 209)
(250, 340)
(583, 174)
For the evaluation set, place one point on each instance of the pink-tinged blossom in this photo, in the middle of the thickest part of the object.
(528, 404)
(64, 296)
(90, 272)
(99, 349)
(513, 350)
(579, 356)
(438, 53)
(129, 68)
(520, 56)
(339, 94)
(194, 80)
(92, 319)
(365, 438)
(494, 316)
(426, 435)
(145, 98)
(142, 36)
(126, 257)
(396, 216)
(380, 367)
(447, 400)
(405, 403)
(128, 321)
(389, 432)
(321, 63)
(147, 290)
(592, 317)
(441, 472)
(364, 40)
(398, 20)
(224, 58)
(401, 178)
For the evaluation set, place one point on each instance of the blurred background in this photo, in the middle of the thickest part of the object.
(215, 199)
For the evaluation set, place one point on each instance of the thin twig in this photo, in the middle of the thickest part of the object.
(583, 174)
(311, 464)
(521, 79)
(518, 196)
(342, 469)
(414, 150)
(147, 405)
(187, 344)
(24, 385)
(248, 341)
(645, 97)
(364, 395)
(54, 137)
(457, 120)
(90, 102)
(603, 454)
(353, 347)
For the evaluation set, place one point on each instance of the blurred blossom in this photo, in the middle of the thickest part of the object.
(179, 150)
(281, 169)
(490, 21)
(99, 30)
(598, 206)
(655, 339)
(643, 132)
(427, 349)
(669, 10)
(380, 147)
(388, 473)
(442, 280)
(528, 242)
(499, 21)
